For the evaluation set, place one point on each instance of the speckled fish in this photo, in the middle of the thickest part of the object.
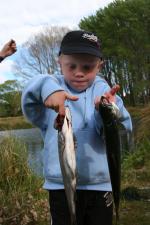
(109, 113)
(67, 158)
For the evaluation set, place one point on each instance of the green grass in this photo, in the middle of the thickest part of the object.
(11, 123)
(136, 166)
(22, 200)
(134, 213)
(141, 116)
(135, 203)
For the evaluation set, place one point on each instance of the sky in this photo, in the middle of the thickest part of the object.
(21, 19)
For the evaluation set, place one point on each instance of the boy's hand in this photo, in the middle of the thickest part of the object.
(109, 96)
(56, 101)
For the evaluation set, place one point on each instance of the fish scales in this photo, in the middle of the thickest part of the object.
(112, 139)
(67, 158)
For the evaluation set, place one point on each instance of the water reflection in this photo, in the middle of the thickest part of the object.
(35, 157)
(32, 138)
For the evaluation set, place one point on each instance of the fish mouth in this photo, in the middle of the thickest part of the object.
(105, 101)
(59, 121)
(109, 108)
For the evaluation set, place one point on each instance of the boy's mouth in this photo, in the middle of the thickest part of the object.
(79, 85)
(80, 81)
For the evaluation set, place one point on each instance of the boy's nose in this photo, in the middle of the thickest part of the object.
(79, 72)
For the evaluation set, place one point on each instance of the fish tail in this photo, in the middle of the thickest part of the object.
(117, 216)
(73, 220)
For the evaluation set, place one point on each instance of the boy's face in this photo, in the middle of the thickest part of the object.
(79, 70)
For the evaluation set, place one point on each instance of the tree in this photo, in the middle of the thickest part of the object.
(123, 28)
(39, 53)
(10, 98)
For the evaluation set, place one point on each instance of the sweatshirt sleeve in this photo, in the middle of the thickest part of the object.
(125, 118)
(34, 95)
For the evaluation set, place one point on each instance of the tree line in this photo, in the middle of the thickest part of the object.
(10, 98)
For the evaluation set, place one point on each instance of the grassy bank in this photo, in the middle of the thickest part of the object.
(11, 123)
(140, 114)
(22, 201)
(135, 204)
(141, 118)
(134, 212)
(136, 166)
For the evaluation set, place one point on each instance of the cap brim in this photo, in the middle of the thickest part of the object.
(68, 50)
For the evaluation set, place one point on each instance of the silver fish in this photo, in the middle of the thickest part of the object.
(67, 158)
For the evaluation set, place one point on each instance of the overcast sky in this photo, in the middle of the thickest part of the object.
(19, 19)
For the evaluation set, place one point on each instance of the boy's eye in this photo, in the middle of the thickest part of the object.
(73, 66)
(86, 67)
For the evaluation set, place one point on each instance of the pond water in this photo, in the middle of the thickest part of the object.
(32, 138)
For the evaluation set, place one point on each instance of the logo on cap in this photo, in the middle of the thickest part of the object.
(90, 37)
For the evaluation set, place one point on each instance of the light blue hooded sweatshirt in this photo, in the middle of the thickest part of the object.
(92, 166)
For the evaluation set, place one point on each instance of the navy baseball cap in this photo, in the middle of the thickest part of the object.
(80, 41)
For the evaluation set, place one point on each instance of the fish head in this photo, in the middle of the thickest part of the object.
(108, 110)
(68, 114)
(61, 120)
(67, 120)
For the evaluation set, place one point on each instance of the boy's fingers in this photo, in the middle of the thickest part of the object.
(97, 102)
(114, 89)
(62, 110)
(71, 97)
(12, 41)
(62, 107)
(110, 96)
(57, 103)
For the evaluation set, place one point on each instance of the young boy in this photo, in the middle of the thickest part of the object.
(79, 88)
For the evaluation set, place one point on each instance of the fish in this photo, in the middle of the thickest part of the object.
(67, 158)
(110, 115)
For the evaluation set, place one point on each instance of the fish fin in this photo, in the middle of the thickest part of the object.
(117, 218)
